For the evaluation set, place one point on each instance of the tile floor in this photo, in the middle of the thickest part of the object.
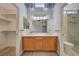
(8, 51)
(11, 51)
(39, 54)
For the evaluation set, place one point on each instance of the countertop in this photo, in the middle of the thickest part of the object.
(39, 34)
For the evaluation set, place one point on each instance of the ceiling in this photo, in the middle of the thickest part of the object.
(39, 5)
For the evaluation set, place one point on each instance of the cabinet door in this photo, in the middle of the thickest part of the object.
(38, 44)
(52, 44)
(28, 44)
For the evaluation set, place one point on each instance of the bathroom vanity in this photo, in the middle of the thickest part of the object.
(39, 43)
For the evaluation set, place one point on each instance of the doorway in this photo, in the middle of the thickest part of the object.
(71, 29)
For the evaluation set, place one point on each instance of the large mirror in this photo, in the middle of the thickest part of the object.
(39, 26)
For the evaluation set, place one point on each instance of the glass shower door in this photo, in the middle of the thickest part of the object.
(73, 31)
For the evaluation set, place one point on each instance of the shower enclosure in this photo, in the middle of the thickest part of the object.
(73, 31)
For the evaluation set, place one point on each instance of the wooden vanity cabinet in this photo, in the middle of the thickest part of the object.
(39, 43)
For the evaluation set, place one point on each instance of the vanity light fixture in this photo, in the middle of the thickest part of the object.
(39, 17)
(45, 17)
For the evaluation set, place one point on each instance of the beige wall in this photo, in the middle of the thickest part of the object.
(7, 25)
(11, 37)
(7, 33)
(3, 25)
(3, 38)
(12, 25)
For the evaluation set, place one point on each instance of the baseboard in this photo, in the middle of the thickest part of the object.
(3, 47)
(27, 50)
(21, 53)
(58, 52)
(11, 45)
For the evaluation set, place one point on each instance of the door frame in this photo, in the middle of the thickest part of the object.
(17, 27)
